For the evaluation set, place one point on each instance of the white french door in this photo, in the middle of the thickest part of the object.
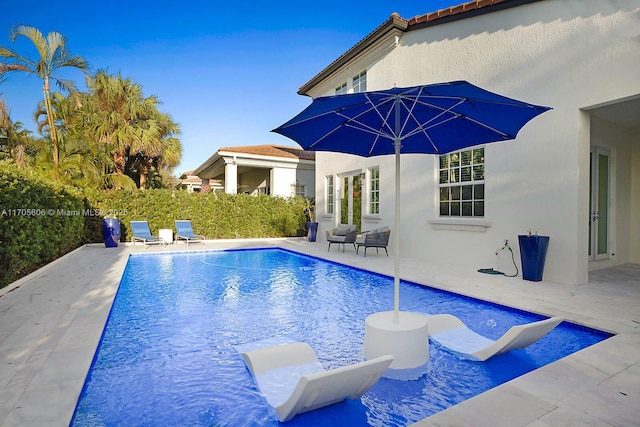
(351, 200)
(599, 203)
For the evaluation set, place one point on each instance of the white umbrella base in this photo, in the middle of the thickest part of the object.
(407, 340)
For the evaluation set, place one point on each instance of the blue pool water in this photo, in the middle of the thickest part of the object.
(167, 358)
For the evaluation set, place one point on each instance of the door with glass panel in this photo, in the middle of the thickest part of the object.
(599, 188)
(351, 200)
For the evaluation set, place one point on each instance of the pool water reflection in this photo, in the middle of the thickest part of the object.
(167, 354)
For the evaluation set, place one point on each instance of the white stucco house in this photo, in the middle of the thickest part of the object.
(261, 169)
(573, 173)
(189, 182)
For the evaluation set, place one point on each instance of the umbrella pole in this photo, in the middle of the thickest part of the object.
(396, 239)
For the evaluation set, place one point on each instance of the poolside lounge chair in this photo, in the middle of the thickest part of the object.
(293, 381)
(342, 234)
(185, 232)
(378, 238)
(142, 233)
(452, 334)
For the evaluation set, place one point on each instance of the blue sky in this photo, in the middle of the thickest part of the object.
(227, 73)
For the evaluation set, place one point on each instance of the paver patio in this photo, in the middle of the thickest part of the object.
(52, 320)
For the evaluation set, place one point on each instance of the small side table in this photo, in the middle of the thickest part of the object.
(166, 234)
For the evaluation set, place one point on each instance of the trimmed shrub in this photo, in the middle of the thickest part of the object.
(38, 222)
(216, 215)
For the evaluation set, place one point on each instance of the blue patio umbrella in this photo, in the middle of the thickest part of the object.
(431, 119)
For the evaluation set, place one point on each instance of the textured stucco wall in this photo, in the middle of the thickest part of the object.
(567, 54)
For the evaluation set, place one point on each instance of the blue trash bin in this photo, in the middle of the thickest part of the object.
(111, 232)
(533, 252)
(312, 231)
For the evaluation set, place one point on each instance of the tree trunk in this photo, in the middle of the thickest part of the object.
(52, 127)
(19, 156)
(143, 178)
(119, 162)
(144, 167)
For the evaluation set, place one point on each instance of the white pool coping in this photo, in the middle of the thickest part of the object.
(51, 322)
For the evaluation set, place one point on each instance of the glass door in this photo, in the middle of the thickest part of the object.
(351, 200)
(599, 204)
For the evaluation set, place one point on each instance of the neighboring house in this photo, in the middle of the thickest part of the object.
(189, 182)
(261, 169)
(573, 173)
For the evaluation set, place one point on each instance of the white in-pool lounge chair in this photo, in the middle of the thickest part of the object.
(142, 233)
(293, 381)
(185, 232)
(451, 333)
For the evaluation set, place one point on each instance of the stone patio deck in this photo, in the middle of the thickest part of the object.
(51, 322)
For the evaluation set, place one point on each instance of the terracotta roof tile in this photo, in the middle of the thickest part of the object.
(185, 174)
(453, 10)
(193, 179)
(273, 151)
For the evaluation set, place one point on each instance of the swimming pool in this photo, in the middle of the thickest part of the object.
(167, 354)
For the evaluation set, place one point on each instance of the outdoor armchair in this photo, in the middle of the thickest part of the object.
(342, 234)
(378, 238)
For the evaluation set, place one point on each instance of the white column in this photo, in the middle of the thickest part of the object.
(231, 178)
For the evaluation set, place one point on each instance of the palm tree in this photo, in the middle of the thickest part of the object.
(117, 105)
(13, 137)
(83, 161)
(53, 55)
(129, 125)
(162, 150)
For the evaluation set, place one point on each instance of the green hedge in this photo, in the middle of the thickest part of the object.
(38, 222)
(41, 221)
(216, 215)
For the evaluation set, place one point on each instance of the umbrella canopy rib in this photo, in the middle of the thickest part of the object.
(429, 119)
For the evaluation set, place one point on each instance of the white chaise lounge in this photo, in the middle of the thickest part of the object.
(452, 334)
(293, 381)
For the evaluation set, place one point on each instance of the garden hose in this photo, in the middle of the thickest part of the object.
(497, 272)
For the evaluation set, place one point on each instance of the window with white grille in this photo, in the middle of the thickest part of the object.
(298, 190)
(360, 82)
(462, 183)
(374, 191)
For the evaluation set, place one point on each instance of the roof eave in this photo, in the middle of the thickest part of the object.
(394, 23)
(398, 24)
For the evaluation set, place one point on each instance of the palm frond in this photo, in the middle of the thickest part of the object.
(8, 53)
(75, 62)
(124, 182)
(56, 49)
(34, 35)
(13, 66)
(65, 84)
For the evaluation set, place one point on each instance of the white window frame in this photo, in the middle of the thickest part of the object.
(331, 194)
(298, 189)
(374, 190)
(360, 82)
(461, 184)
(342, 89)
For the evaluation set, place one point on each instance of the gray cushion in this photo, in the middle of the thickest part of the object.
(343, 229)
